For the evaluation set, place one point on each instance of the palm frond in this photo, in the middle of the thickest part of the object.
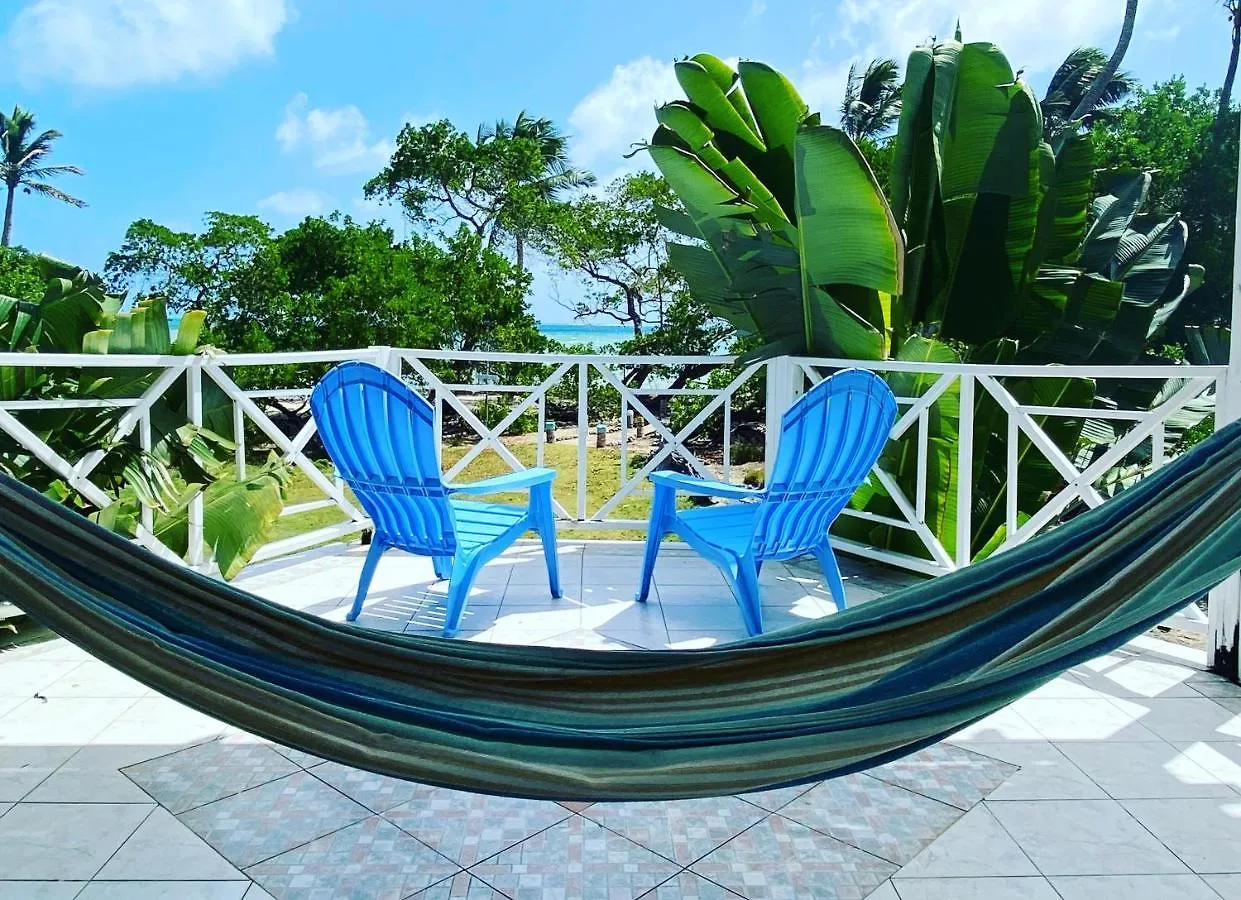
(35, 187)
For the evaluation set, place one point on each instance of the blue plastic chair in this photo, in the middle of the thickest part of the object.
(381, 437)
(829, 440)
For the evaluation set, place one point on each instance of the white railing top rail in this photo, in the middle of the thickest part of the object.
(74, 360)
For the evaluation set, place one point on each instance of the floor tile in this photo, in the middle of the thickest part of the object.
(162, 849)
(1221, 758)
(1187, 719)
(189, 778)
(1083, 720)
(776, 798)
(1145, 678)
(874, 816)
(1145, 887)
(87, 785)
(1130, 770)
(161, 723)
(64, 840)
(256, 892)
(1227, 886)
(461, 886)
(40, 890)
(1044, 772)
(1021, 888)
(1002, 725)
(976, 846)
(63, 722)
(22, 768)
(26, 677)
(1084, 837)
(576, 858)
(265, 821)
(687, 618)
(944, 772)
(690, 595)
(1216, 687)
(680, 830)
(165, 890)
(781, 858)
(885, 891)
(95, 679)
(297, 757)
(1205, 834)
(372, 858)
(688, 886)
(583, 639)
(703, 640)
(376, 792)
(469, 827)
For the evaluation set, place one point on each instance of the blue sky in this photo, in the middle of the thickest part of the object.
(285, 107)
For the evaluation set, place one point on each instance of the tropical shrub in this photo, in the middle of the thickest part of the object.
(75, 314)
(986, 249)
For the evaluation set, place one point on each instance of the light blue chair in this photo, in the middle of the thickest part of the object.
(381, 437)
(829, 440)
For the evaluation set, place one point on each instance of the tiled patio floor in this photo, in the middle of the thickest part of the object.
(1120, 779)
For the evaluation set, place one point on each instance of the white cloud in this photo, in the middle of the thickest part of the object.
(296, 203)
(619, 113)
(1033, 36)
(757, 8)
(338, 139)
(116, 43)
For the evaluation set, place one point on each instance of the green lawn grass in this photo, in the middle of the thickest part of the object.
(603, 479)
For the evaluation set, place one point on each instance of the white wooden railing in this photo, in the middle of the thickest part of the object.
(785, 378)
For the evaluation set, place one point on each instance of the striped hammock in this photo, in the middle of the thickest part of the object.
(826, 698)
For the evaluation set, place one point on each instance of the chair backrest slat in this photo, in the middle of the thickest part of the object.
(829, 440)
(381, 437)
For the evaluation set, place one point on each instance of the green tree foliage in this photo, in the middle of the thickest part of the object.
(1168, 130)
(24, 164)
(503, 183)
(331, 284)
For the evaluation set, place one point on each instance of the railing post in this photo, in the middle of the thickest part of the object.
(965, 472)
(386, 359)
(583, 429)
(784, 385)
(194, 401)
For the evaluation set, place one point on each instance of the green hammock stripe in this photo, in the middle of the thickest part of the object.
(821, 699)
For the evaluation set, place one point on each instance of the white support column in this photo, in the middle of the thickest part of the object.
(965, 473)
(785, 382)
(1224, 606)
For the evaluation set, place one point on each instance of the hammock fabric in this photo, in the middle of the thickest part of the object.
(823, 699)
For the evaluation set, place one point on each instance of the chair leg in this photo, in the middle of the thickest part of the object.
(747, 595)
(463, 572)
(662, 507)
(368, 572)
(831, 574)
(443, 567)
(545, 525)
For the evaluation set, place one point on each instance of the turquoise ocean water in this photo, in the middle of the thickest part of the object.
(572, 333)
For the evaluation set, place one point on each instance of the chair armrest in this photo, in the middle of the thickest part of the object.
(513, 481)
(702, 486)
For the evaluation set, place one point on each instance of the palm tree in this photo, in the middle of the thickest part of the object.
(1069, 85)
(1233, 8)
(22, 164)
(872, 100)
(1090, 98)
(556, 175)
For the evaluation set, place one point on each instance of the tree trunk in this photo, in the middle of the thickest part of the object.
(8, 217)
(521, 254)
(1225, 94)
(1104, 78)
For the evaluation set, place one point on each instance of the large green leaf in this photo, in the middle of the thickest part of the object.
(847, 232)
